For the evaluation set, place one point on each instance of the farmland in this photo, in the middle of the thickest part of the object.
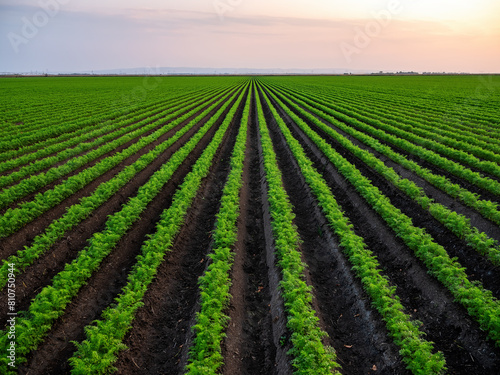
(250, 225)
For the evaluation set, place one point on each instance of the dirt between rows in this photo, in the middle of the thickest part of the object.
(355, 329)
(143, 109)
(472, 168)
(249, 348)
(161, 333)
(476, 220)
(483, 194)
(445, 322)
(51, 356)
(25, 235)
(280, 333)
(477, 267)
(103, 177)
(257, 338)
(66, 249)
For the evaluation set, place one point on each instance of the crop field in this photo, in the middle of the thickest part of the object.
(250, 225)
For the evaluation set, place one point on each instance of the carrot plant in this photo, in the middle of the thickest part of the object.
(417, 352)
(51, 302)
(457, 224)
(205, 354)
(97, 353)
(309, 354)
(478, 301)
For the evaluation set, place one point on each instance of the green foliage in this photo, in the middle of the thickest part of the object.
(78, 212)
(44, 138)
(458, 224)
(483, 307)
(98, 351)
(308, 352)
(349, 121)
(50, 303)
(205, 354)
(405, 333)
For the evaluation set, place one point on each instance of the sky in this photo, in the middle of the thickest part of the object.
(360, 35)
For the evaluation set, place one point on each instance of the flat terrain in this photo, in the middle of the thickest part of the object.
(91, 169)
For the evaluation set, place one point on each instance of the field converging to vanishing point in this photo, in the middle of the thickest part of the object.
(250, 225)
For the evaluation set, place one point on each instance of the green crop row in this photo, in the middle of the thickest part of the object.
(78, 212)
(308, 352)
(14, 219)
(446, 108)
(42, 111)
(205, 354)
(47, 133)
(466, 140)
(479, 137)
(478, 301)
(95, 121)
(96, 104)
(50, 303)
(458, 150)
(33, 134)
(102, 130)
(458, 224)
(51, 117)
(410, 143)
(416, 351)
(97, 354)
(487, 208)
(32, 184)
(118, 129)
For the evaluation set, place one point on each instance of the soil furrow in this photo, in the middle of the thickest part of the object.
(478, 221)
(477, 266)
(356, 331)
(248, 348)
(466, 348)
(280, 333)
(52, 262)
(161, 332)
(83, 153)
(25, 235)
(52, 355)
(100, 158)
(437, 170)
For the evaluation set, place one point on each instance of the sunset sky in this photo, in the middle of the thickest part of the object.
(390, 35)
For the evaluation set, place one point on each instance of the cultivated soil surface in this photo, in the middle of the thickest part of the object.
(257, 338)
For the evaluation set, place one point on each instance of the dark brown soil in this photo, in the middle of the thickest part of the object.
(355, 329)
(280, 333)
(477, 267)
(127, 161)
(52, 355)
(160, 336)
(478, 221)
(257, 338)
(466, 348)
(25, 235)
(143, 110)
(484, 194)
(248, 348)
